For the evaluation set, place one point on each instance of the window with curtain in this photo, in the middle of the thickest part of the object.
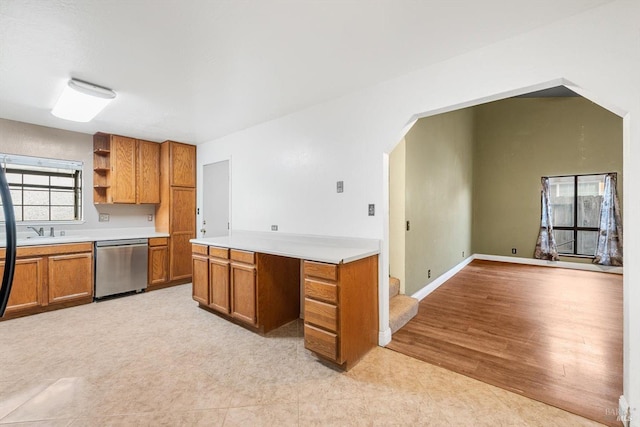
(576, 201)
(44, 190)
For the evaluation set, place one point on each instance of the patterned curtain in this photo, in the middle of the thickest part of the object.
(609, 249)
(546, 246)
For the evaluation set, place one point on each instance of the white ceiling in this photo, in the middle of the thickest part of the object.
(196, 70)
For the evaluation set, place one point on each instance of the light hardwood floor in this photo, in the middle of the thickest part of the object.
(551, 334)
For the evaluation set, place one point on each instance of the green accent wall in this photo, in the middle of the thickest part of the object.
(517, 141)
(438, 195)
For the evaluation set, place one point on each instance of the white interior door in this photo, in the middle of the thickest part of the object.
(215, 206)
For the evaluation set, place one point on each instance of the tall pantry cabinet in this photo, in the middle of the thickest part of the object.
(176, 213)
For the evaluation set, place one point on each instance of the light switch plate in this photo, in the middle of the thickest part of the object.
(274, 228)
(340, 186)
(372, 210)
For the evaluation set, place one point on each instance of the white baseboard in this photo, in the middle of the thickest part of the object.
(384, 337)
(545, 263)
(441, 279)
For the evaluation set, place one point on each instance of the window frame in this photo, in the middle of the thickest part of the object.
(575, 228)
(51, 168)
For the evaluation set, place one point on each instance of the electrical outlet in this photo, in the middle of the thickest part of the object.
(104, 217)
(372, 210)
(514, 251)
(462, 254)
(63, 233)
(428, 274)
(274, 228)
(150, 217)
(340, 186)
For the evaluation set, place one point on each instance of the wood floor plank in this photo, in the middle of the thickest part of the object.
(551, 334)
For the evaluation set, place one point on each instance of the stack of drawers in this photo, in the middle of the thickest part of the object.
(322, 310)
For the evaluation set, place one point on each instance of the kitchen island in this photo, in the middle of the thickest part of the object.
(257, 279)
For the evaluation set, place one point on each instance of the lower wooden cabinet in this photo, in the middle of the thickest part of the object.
(243, 291)
(50, 276)
(341, 309)
(28, 284)
(70, 277)
(259, 290)
(158, 261)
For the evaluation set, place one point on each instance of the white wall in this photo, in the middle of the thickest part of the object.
(397, 216)
(284, 171)
(39, 141)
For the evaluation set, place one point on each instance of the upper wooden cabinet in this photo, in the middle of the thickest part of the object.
(125, 170)
(183, 161)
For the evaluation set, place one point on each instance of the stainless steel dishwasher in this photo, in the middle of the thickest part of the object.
(121, 266)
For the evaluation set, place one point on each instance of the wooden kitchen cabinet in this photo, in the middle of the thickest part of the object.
(70, 277)
(219, 298)
(125, 170)
(341, 309)
(158, 261)
(243, 287)
(50, 276)
(176, 213)
(258, 290)
(200, 281)
(28, 284)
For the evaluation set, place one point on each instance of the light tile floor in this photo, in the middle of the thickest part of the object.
(157, 359)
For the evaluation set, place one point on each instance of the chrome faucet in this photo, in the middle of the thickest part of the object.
(52, 233)
(40, 231)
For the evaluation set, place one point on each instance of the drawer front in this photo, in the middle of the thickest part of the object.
(321, 270)
(158, 241)
(321, 314)
(243, 256)
(321, 290)
(199, 249)
(218, 252)
(321, 342)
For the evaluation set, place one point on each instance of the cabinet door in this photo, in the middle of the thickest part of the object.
(182, 229)
(219, 285)
(183, 165)
(158, 264)
(200, 279)
(148, 170)
(27, 288)
(70, 277)
(123, 169)
(243, 293)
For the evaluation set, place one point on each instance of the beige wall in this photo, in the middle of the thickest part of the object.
(520, 140)
(31, 140)
(397, 185)
(438, 195)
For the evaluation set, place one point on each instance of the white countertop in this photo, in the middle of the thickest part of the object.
(79, 236)
(334, 250)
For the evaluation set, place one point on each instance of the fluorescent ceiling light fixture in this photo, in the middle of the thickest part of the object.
(81, 101)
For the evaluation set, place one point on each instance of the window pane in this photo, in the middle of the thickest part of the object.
(61, 213)
(36, 213)
(62, 181)
(564, 241)
(561, 192)
(36, 179)
(62, 198)
(17, 212)
(587, 242)
(36, 197)
(590, 191)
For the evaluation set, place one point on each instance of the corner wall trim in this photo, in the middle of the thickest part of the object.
(384, 337)
(545, 263)
(427, 289)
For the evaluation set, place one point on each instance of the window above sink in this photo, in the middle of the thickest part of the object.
(44, 191)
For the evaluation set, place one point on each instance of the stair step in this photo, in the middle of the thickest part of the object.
(402, 308)
(394, 286)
